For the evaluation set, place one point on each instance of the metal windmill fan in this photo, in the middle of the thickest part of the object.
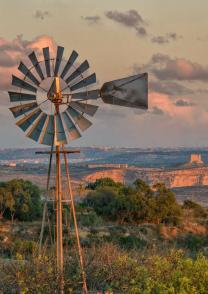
(51, 106)
(52, 77)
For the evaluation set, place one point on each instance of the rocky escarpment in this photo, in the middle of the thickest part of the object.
(172, 178)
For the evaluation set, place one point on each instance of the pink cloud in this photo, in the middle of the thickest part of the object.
(165, 68)
(188, 113)
(12, 52)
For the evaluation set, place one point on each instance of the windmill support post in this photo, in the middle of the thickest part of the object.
(59, 213)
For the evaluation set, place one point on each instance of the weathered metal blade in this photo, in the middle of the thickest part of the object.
(22, 84)
(79, 119)
(130, 92)
(82, 68)
(87, 95)
(22, 109)
(84, 107)
(27, 121)
(85, 82)
(36, 64)
(59, 54)
(15, 96)
(47, 136)
(36, 129)
(46, 55)
(23, 68)
(61, 136)
(69, 63)
(72, 130)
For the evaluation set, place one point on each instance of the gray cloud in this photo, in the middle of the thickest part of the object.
(182, 103)
(166, 38)
(169, 88)
(93, 19)
(156, 110)
(39, 14)
(166, 68)
(131, 19)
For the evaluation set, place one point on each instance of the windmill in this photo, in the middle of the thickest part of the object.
(51, 105)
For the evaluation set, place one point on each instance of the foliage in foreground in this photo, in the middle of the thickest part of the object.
(133, 204)
(20, 199)
(108, 267)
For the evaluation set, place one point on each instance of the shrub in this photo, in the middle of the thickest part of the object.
(198, 210)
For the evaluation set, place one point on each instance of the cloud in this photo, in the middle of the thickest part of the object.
(156, 110)
(41, 15)
(183, 103)
(169, 88)
(91, 20)
(131, 19)
(186, 114)
(11, 52)
(167, 68)
(166, 38)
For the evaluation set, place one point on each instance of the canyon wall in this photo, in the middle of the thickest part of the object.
(172, 178)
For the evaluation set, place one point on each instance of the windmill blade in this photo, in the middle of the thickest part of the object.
(36, 64)
(15, 96)
(22, 109)
(84, 107)
(47, 136)
(72, 130)
(46, 55)
(36, 129)
(22, 84)
(69, 63)
(82, 68)
(27, 121)
(85, 82)
(23, 68)
(60, 51)
(61, 136)
(131, 91)
(79, 119)
(87, 95)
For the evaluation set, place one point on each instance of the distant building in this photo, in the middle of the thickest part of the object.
(12, 164)
(196, 159)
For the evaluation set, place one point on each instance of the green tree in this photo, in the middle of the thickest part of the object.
(166, 208)
(197, 209)
(102, 183)
(6, 201)
(22, 199)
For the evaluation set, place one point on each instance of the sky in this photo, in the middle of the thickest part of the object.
(167, 39)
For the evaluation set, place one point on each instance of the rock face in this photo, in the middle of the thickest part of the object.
(118, 175)
(196, 159)
(172, 178)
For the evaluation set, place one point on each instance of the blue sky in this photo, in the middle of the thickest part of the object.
(166, 38)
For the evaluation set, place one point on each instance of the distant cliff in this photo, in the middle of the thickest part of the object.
(172, 178)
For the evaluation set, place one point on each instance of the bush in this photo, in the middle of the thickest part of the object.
(104, 182)
(197, 209)
(135, 204)
(89, 218)
(21, 200)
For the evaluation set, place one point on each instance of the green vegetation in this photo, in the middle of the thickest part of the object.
(110, 268)
(133, 205)
(20, 200)
(136, 240)
(197, 209)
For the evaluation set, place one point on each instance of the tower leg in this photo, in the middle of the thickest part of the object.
(45, 208)
(59, 229)
(85, 291)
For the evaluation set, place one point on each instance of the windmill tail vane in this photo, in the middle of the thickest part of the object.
(52, 107)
